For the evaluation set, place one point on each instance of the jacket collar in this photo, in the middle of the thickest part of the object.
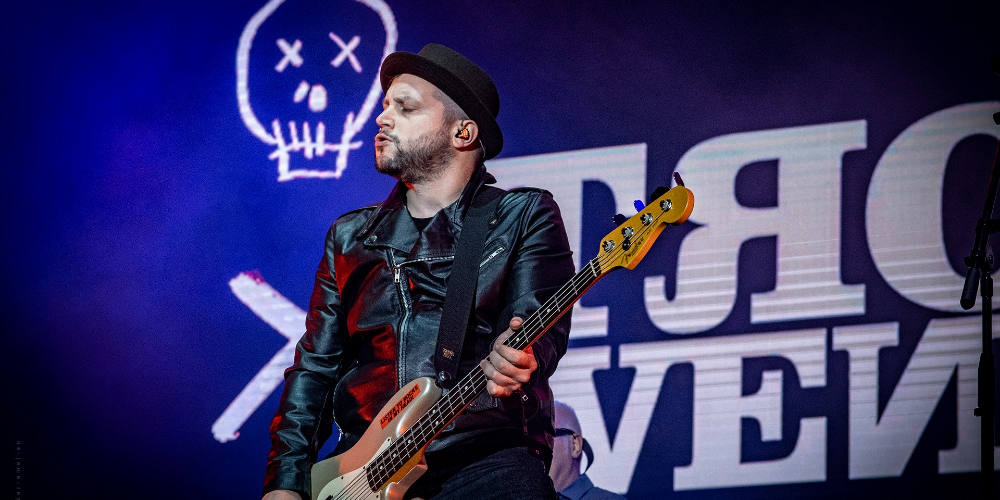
(396, 204)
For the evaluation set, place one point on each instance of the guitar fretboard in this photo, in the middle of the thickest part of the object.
(429, 425)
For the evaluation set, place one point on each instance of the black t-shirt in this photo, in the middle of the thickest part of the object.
(421, 223)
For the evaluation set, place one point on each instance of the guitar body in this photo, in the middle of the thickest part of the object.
(344, 477)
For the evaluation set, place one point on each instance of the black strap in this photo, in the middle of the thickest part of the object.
(462, 284)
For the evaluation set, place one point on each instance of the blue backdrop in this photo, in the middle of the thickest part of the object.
(147, 173)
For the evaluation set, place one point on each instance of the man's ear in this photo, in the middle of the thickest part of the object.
(465, 134)
(577, 446)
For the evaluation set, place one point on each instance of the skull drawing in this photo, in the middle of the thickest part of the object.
(313, 61)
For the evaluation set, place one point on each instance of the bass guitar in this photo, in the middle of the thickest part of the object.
(389, 456)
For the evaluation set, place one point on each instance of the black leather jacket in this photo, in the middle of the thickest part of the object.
(374, 317)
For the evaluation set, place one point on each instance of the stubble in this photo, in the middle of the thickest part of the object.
(423, 160)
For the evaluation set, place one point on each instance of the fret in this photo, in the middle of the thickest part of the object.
(425, 427)
(472, 385)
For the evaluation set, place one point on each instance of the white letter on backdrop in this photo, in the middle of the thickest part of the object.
(904, 206)
(573, 384)
(881, 445)
(806, 222)
(621, 168)
(719, 407)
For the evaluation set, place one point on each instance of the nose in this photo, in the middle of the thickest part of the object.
(382, 120)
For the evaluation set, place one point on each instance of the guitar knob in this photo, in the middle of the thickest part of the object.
(609, 245)
(658, 192)
(619, 219)
(666, 205)
(678, 180)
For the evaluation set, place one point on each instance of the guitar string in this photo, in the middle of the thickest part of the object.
(376, 472)
(525, 335)
(471, 385)
(445, 408)
(438, 414)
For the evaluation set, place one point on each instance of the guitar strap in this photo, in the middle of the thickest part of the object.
(462, 284)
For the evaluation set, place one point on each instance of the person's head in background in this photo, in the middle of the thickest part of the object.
(567, 450)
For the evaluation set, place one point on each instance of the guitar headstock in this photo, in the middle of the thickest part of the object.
(628, 244)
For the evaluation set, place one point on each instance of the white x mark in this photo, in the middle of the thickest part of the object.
(291, 52)
(285, 317)
(346, 52)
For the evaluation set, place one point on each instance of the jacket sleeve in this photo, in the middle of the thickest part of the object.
(544, 263)
(304, 419)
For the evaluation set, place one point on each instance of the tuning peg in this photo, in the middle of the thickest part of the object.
(678, 180)
(620, 219)
(639, 205)
(658, 192)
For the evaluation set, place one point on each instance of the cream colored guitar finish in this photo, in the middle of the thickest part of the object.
(389, 457)
(345, 476)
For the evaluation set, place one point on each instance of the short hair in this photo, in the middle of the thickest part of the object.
(452, 111)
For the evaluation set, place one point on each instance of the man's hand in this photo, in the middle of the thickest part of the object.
(507, 368)
(282, 495)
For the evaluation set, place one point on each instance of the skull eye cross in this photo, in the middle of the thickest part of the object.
(317, 93)
(346, 52)
(291, 54)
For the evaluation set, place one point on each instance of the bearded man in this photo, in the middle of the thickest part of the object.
(376, 308)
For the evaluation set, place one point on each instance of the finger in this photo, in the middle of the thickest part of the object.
(519, 374)
(529, 353)
(496, 390)
(502, 338)
(501, 379)
(522, 360)
(488, 369)
(501, 384)
(515, 323)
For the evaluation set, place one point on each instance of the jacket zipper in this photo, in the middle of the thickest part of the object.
(397, 272)
(397, 278)
(490, 256)
(424, 259)
(401, 289)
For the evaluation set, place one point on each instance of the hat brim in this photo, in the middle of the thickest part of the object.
(398, 63)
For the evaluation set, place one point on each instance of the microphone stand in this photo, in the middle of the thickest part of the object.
(980, 263)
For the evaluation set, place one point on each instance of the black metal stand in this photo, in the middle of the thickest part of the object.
(980, 263)
(986, 388)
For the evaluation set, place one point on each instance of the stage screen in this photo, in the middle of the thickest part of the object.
(175, 167)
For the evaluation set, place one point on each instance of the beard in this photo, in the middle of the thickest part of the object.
(423, 160)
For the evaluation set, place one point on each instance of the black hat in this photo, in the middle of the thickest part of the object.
(460, 79)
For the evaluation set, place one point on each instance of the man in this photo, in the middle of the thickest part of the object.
(567, 455)
(376, 307)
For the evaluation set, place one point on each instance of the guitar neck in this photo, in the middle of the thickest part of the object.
(557, 305)
(622, 248)
(446, 409)
(474, 383)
